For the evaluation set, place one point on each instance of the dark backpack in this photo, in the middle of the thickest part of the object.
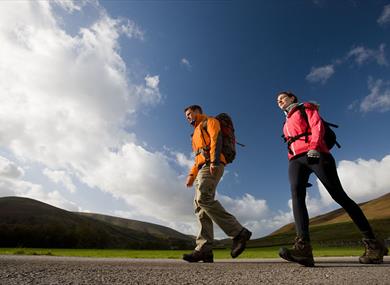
(330, 137)
(228, 137)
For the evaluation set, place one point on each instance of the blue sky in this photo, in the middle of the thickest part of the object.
(93, 96)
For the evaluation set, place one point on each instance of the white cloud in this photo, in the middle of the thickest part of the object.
(186, 63)
(62, 177)
(9, 169)
(362, 55)
(385, 16)
(255, 214)
(379, 97)
(362, 180)
(152, 81)
(359, 54)
(245, 208)
(70, 5)
(12, 184)
(320, 74)
(183, 160)
(131, 29)
(150, 93)
(66, 101)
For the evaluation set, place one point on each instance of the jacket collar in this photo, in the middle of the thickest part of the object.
(200, 118)
(291, 109)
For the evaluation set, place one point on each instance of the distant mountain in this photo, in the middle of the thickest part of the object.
(158, 231)
(332, 229)
(30, 223)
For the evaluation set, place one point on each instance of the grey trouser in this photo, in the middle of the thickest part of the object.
(209, 210)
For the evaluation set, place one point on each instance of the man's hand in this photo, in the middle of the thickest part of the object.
(190, 181)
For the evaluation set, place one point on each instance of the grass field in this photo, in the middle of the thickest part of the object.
(268, 252)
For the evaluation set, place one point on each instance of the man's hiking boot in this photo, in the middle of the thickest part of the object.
(196, 256)
(375, 250)
(301, 253)
(239, 242)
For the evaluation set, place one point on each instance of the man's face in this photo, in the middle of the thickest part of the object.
(284, 101)
(191, 116)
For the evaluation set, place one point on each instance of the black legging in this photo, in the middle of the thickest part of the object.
(299, 171)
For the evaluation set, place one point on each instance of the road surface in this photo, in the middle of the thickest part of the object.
(74, 270)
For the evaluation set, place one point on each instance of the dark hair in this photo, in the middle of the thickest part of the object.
(194, 108)
(289, 94)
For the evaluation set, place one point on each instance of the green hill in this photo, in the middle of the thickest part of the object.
(30, 223)
(159, 231)
(332, 229)
(336, 228)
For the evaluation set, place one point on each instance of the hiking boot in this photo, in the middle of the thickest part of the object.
(239, 242)
(375, 250)
(301, 253)
(196, 256)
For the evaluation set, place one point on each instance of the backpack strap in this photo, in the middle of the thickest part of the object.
(304, 115)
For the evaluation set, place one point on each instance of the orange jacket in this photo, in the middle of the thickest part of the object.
(206, 143)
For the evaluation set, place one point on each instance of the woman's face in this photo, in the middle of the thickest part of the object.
(284, 101)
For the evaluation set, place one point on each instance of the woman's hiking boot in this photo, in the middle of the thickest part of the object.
(375, 250)
(239, 242)
(196, 256)
(301, 253)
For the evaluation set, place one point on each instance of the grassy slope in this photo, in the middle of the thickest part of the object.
(30, 223)
(149, 228)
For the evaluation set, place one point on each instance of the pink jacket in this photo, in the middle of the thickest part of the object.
(296, 125)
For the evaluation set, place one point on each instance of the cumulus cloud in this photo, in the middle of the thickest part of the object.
(65, 105)
(379, 97)
(385, 16)
(362, 179)
(149, 93)
(362, 55)
(359, 54)
(13, 184)
(186, 63)
(9, 169)
(320, 74)
(183, 160)
(66, 101)
(70, 5)
(130, 29)
(58, 176)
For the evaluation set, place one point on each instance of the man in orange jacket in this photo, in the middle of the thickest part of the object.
(205, 175)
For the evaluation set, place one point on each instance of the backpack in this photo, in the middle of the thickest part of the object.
(330, 137)
(228, 137)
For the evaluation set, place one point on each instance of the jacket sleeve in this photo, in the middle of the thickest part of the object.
(214, 131)
(317, 128)
(193, 171)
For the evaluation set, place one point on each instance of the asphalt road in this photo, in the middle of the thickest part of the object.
(70, 270)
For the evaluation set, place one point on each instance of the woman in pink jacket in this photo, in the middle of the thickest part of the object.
(308, 153)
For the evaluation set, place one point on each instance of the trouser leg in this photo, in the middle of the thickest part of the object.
(205, 237)
(208, 209)
(327, 173)
(299, 176)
